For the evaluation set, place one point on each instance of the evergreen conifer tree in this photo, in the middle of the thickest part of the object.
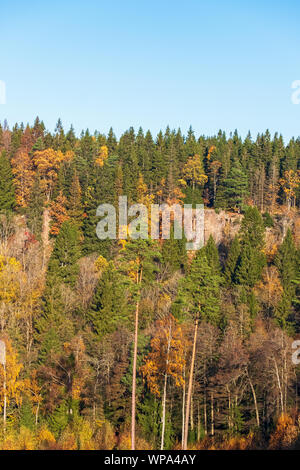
(7, 191)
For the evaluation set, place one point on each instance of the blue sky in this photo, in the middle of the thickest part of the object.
(213, 64)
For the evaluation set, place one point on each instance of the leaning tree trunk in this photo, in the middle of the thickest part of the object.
(254, 399)
(183, 408)
(188, 402)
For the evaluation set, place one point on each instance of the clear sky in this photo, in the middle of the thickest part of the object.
(96, 64)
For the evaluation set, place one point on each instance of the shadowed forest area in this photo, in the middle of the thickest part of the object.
(114, 344)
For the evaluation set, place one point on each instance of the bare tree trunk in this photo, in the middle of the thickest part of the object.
(254, 399)
(183, 408)
(188, 402)
(198, 423)
(229, 410)
(279, 386)
(164, 413)
(192, 407)
(134, 377)
(205, 413)
(212, 414)
(37, 414)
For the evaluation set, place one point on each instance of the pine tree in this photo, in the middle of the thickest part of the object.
(63, 265)
(253, 228)
(75, 209)
(250, 265)
(53, 327)
(212, 255)
(252, 259)
(199, 292)
(234, 189)
(109, 308)
(7, 191)
(286, 262)
(174, 254)
(59, 419)
(27, 418)
(111, 142)
(232, 261)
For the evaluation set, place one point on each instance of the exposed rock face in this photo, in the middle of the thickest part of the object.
(223, 226)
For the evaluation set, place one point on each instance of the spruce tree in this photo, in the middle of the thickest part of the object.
(234, 189)
(174, 254)
(7, 191)
(251, 263)
(199, 292)
(252, 259)
(232, 261)
(63, 267)
(109, 308)
(286, 262)
(75, 209)
(54, 327)
(27, 418)
(212, 255)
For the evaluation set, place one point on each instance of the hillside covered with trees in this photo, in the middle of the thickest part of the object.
(110, 342)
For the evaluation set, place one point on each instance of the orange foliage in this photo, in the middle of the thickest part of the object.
(103, 154)
(166, 356)
(285, 433)
(58, 213)
(23, 177)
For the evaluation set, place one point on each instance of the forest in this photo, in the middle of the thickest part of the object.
(141, 344)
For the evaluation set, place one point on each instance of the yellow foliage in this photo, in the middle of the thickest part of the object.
(285, 433)
(10, 442)
(26, 439)
(23, 177)
(105, 438)
(122, 242)
(14, 386)
(76, 388)
(289, 183)
(125, 442)
(101, 264)
(9, 278)
(47, 163)
(69, 155)
(103, 155)
(45, 438)
(68, 440)
(86, 437)
(193, 171)
(210, 151)
(166, 355)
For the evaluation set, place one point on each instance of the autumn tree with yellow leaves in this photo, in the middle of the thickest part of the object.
(289, 183)
(11, 386)
(166, 360)
(47, 163)
(193, 172)
(22, 169)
